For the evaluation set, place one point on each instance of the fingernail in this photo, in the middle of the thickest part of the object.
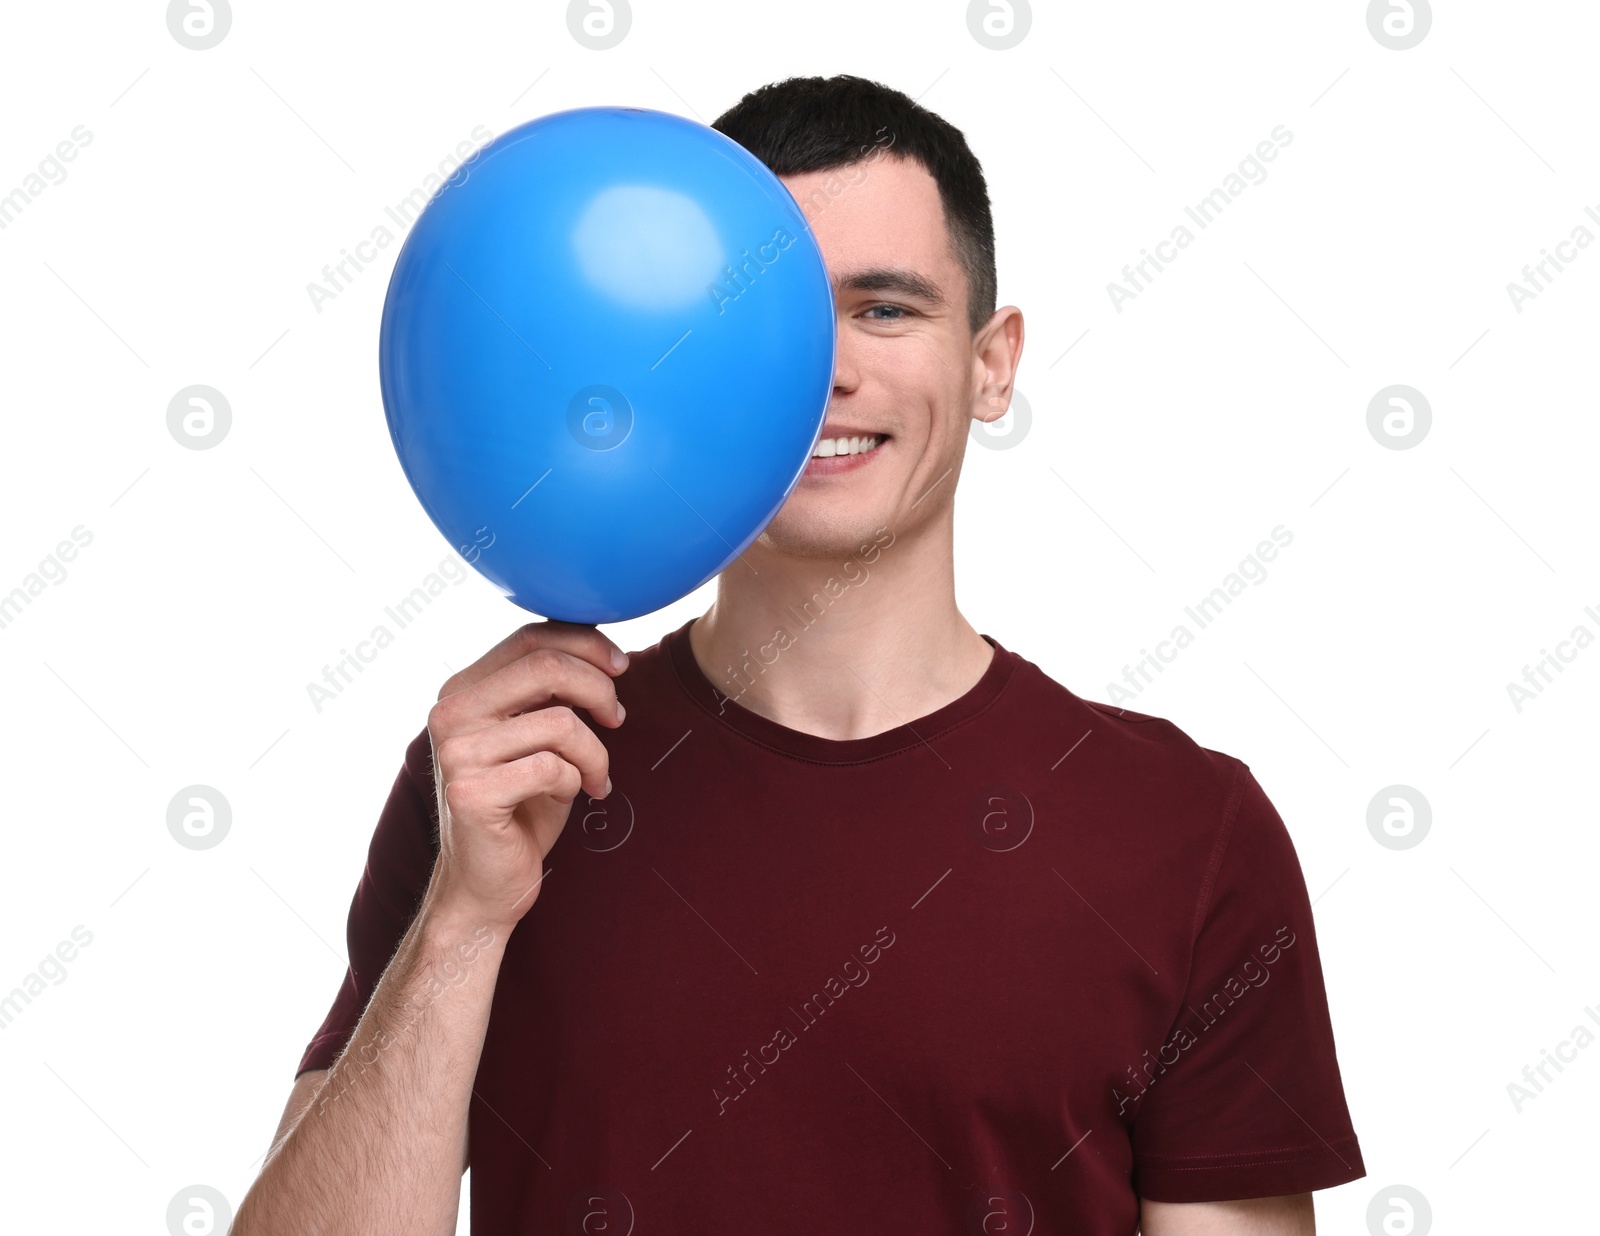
(621, 712)
(608, 787)
(619, 658)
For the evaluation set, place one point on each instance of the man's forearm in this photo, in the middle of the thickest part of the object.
(380, 1148)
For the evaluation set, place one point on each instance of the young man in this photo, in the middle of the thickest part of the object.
(826, 912)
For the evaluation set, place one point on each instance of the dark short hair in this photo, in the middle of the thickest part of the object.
(813, 124)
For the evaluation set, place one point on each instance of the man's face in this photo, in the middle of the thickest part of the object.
(905, 370)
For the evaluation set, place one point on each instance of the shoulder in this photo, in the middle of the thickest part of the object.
(1156, 813)
(1148, 759)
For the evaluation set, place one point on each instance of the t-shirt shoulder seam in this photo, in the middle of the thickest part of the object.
(1122, 714)
(1219, 848)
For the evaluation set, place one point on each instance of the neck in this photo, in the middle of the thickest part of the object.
(847, 645)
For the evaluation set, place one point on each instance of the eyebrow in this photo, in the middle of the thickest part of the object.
(890, 279)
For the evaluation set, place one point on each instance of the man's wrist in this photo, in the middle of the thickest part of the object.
(449, 933)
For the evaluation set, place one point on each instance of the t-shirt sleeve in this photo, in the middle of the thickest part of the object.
(399, 865)
(1249, 1101)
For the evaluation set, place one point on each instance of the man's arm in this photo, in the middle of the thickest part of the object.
(379, 1145)
(300, 1095)
(1292, 1215)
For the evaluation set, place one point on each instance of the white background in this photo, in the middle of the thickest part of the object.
(1228, 398)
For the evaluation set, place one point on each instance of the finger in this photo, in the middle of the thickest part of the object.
(544, 676)
(579, 639)
(558, 729)
(500, 788)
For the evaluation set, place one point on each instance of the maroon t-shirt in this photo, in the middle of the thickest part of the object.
(1020, 961)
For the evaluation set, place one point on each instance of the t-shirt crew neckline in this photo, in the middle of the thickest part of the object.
(813, 747)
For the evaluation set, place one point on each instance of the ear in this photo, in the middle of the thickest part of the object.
(996, 352)
(995, 405)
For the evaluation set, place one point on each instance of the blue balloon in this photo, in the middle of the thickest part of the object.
(606, 356)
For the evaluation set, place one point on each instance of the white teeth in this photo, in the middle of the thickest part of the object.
(827, 448)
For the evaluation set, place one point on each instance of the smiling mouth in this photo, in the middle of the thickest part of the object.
(860, 444)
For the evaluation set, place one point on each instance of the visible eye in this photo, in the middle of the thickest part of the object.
(897, 309)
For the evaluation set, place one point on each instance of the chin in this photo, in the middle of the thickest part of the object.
(797, 535)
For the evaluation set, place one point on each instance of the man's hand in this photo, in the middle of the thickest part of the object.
(509, 757)
(1291, 1215)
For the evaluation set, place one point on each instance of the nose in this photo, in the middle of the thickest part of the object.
(846, 367)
